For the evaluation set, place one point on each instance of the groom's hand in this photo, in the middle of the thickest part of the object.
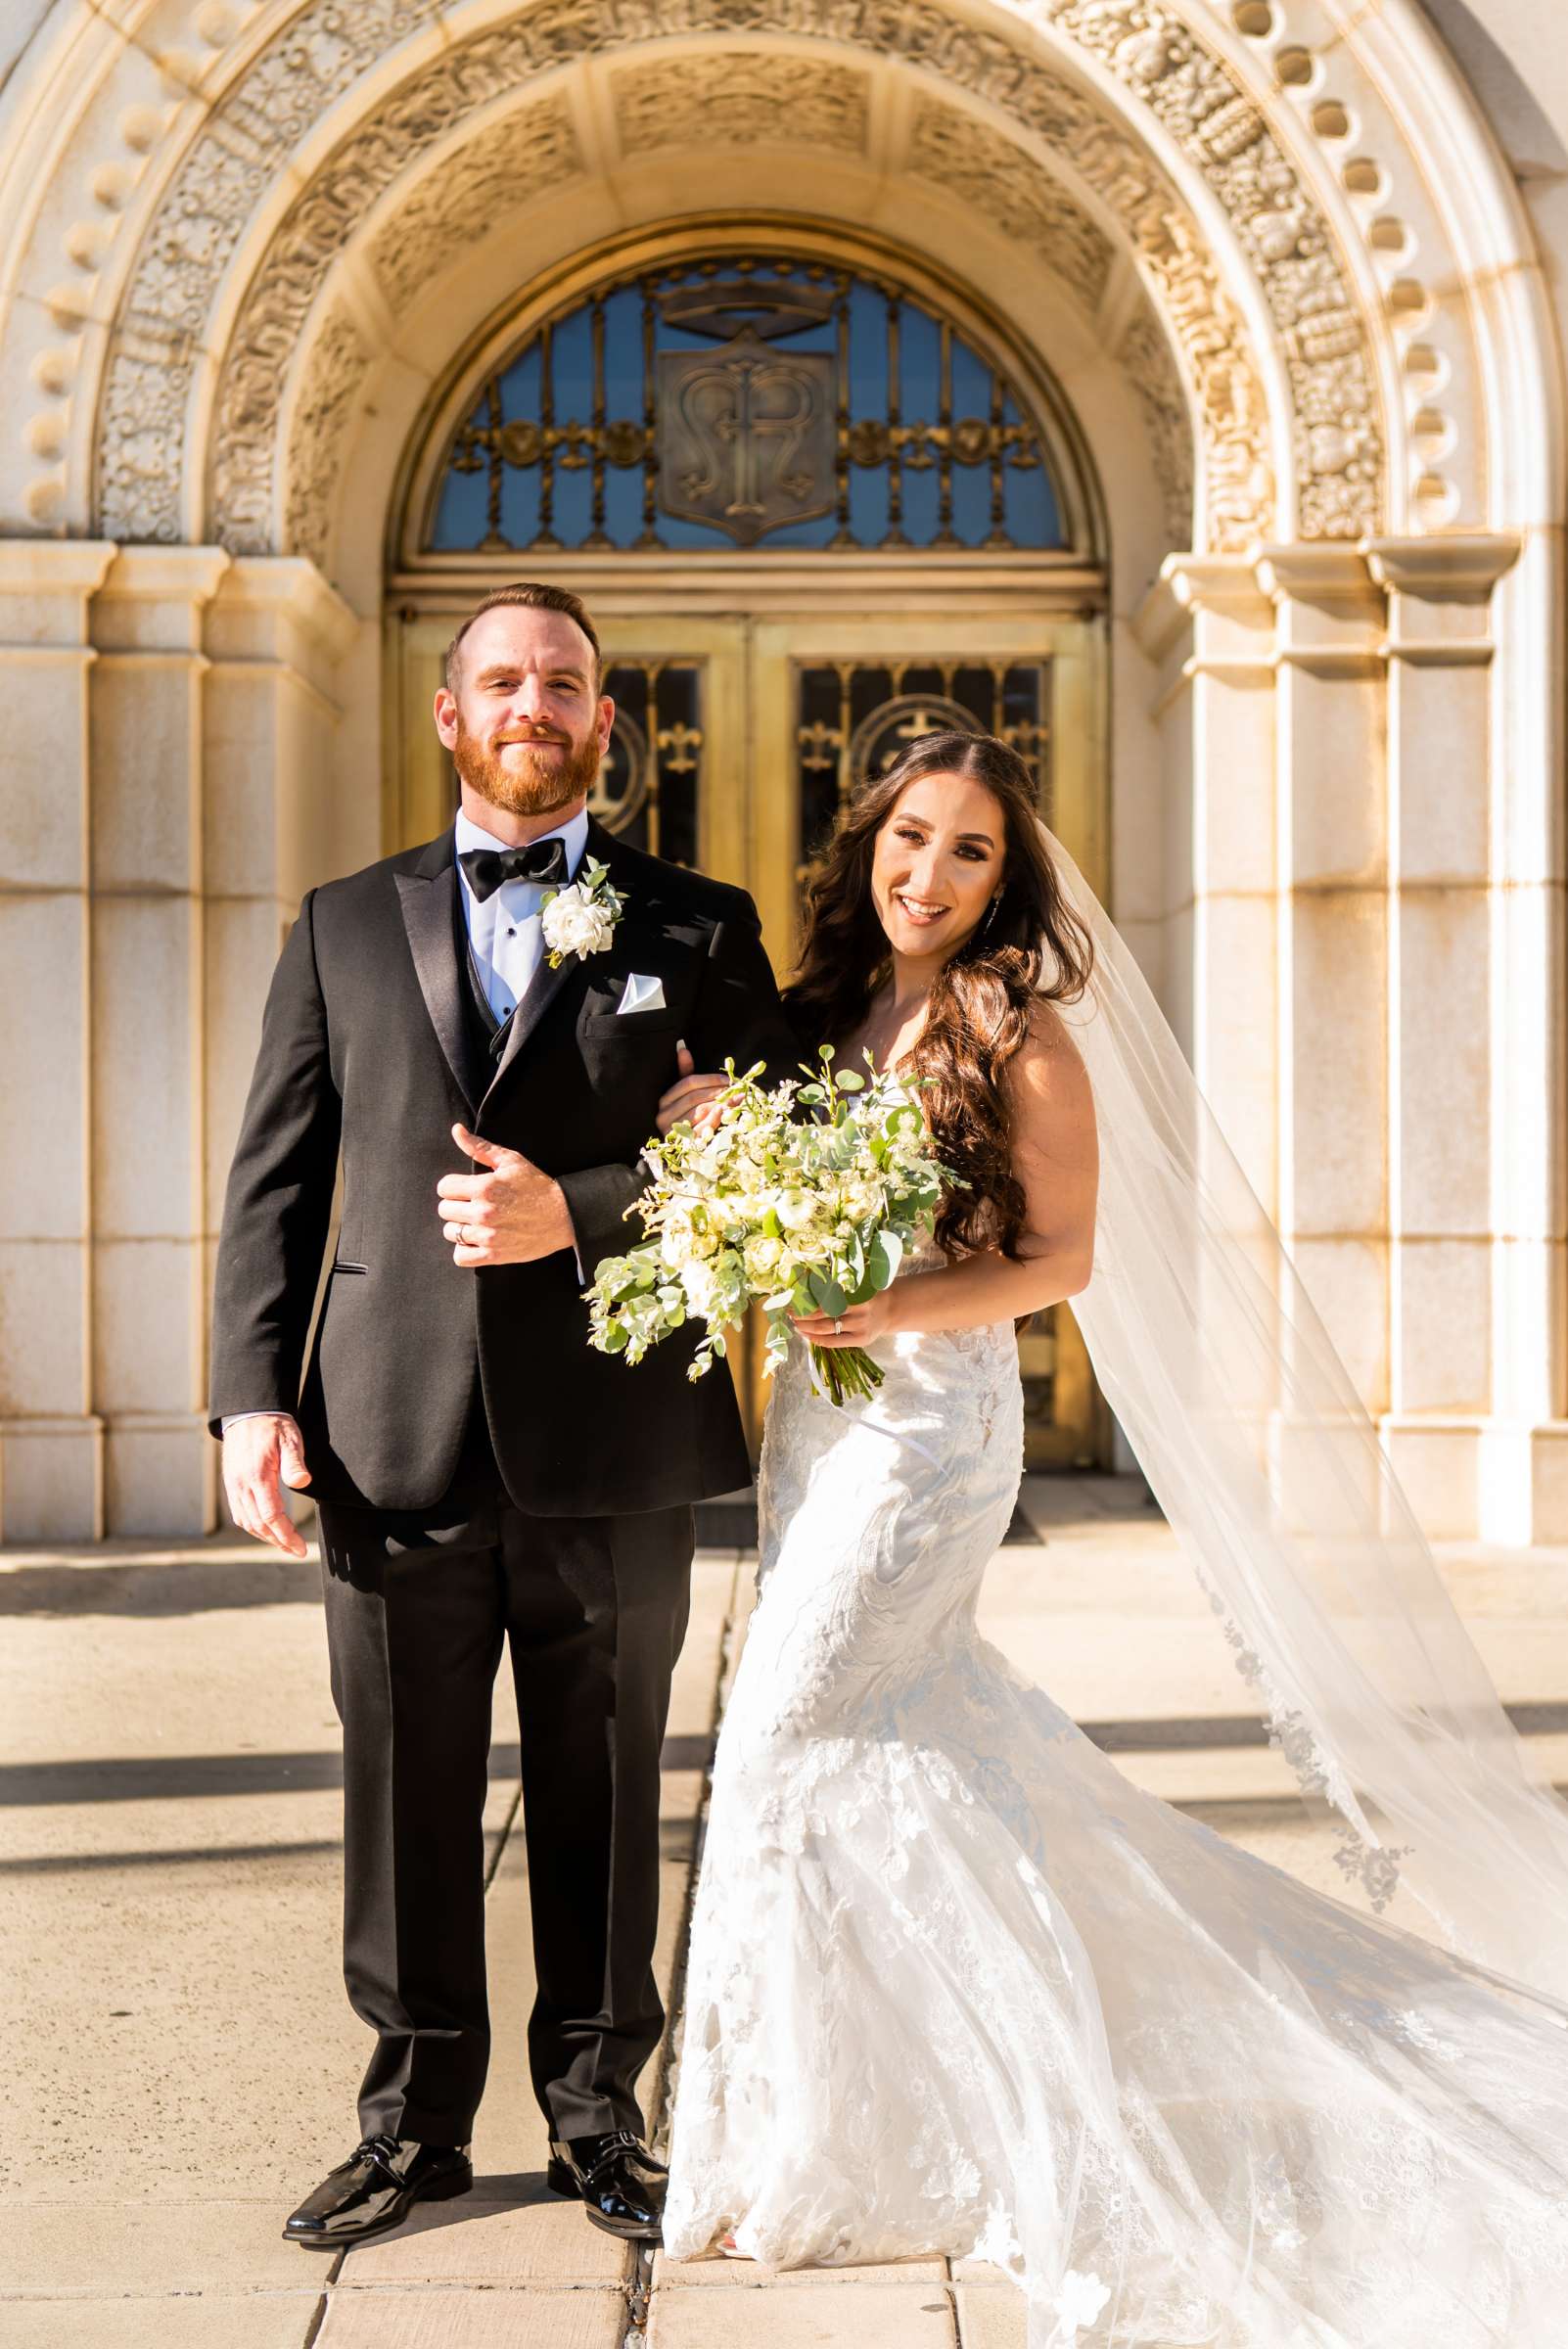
(261, 1452)
(691, 1096)
(507, 1212)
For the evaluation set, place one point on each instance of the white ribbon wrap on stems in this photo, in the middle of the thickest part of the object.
(1268, 1467)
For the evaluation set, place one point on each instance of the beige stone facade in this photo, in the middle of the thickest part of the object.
(1287, 272)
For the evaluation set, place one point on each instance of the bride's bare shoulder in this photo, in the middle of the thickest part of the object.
(1048, 1078)
(1048, 1054)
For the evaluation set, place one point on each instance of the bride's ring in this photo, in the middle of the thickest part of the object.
(838, 1330)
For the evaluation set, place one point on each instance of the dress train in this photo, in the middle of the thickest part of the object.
(956, 1986)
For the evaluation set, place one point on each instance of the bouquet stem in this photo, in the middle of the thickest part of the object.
(846, 1370)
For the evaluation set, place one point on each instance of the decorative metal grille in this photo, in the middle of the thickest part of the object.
(1037, 1369)
(853, 719)
(649, 785)
(725, 401)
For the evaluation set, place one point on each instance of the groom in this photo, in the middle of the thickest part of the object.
(483, 1477)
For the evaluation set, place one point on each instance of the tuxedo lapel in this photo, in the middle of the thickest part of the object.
(427, 896)
(546, 984)
(532, 1004)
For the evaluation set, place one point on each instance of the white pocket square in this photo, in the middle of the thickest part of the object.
(642, 995)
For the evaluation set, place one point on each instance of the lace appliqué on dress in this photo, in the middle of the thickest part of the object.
(957, 1986)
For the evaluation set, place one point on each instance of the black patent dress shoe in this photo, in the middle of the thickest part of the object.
(378, 2186)
(618, 2181)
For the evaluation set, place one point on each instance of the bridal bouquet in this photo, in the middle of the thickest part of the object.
(803, 1213)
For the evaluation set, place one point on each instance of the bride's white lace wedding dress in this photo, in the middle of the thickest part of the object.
(956, 1986)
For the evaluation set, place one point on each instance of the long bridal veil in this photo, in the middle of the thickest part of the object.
(1258, 1448)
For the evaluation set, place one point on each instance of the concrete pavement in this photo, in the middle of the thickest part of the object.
(180, 2062)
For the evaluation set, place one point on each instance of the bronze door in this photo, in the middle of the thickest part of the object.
(735, 741)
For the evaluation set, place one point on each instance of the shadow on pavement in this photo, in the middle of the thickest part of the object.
(160, 1585)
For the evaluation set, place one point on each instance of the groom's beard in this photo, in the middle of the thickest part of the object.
(531, 785)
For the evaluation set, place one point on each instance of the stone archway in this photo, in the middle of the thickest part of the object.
(1021, 129)
(1316, 320)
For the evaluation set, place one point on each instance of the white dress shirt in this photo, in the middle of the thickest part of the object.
(505, 933)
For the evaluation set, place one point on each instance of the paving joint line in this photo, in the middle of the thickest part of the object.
(639, 2284)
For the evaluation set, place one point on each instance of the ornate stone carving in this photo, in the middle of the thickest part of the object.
(734, 97)
(515, 161)
(1339, 444)
(1213, 338)
(318, 56)
(1008, 188)
(141, 437)
(313, 234)
(1145, 356)
(338, 358)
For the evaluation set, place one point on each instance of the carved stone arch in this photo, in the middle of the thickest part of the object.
(143, 490)
(1109, 201)
(123, 141)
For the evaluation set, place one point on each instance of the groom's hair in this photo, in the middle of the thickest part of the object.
(534, 595)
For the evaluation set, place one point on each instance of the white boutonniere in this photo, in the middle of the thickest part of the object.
(580, 919)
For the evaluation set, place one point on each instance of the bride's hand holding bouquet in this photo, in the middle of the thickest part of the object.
(801, 1199)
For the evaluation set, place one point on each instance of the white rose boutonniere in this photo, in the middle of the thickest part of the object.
(580, 919)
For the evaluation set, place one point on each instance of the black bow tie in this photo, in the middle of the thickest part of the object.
(488, 869)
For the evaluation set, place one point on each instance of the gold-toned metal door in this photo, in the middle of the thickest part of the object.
(736, 740)
(835, 698)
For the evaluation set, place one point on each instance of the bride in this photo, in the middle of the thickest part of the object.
(956, 1986)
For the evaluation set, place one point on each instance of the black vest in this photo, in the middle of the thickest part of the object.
(476, 1477)
(486, 1034)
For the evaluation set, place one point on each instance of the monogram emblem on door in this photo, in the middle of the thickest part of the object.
(746, 436)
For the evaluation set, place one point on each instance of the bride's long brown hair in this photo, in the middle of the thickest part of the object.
(1028, 946)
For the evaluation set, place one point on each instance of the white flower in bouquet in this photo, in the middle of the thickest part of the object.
(580, 919)
(803, 1199)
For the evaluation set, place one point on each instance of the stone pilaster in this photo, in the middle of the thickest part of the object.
(51, 1441)
(1332, 877)
(286, 804)
(148, 860)
(1524, 1450)
(1211, 629)
(1444, 934)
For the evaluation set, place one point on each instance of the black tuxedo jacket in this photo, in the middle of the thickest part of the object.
(369, 1052)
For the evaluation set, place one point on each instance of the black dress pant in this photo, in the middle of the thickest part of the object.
(418, 1606)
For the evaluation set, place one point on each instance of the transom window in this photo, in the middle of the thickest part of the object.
(730, 401)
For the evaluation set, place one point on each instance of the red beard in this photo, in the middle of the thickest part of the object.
(533, 786)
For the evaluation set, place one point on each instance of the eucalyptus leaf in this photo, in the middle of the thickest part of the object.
(886, 1256)
(826, 1293)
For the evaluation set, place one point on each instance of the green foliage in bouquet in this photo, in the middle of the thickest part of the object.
(803, 1199)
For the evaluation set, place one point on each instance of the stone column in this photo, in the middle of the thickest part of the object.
(51, 1441)
(171, 791)
(149, 1112)
(1211, 626)
(1332, 877)
(1444, 917)
(1368, 974)
(1523, 1450)
(284, 807)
